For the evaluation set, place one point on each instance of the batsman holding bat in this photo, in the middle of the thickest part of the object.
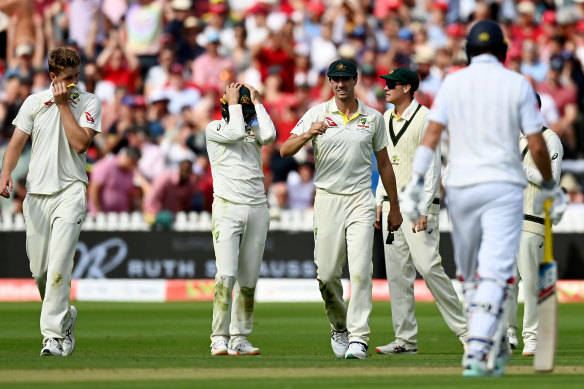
(531, 247)
(484, 107)
(61, 123)
(344, 132)
(240, 217)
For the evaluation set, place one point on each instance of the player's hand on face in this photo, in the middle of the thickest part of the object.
(421, 224)
(255, 95)
(378, 218)
(394, 220)
(232, 93)
(5, 186)
(60, 93)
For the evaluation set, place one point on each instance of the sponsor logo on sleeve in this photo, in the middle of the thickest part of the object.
(89, 118)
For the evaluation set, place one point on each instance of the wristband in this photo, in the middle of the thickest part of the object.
(422, 160)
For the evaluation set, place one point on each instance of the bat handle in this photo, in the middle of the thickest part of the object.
(548, 248)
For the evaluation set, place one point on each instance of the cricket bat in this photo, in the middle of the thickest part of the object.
(547, 304)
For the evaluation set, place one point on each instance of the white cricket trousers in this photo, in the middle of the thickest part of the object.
(408, 252)
(528, 259)
(53, 224)
(239, 237)
(486, 227)
(343, 230)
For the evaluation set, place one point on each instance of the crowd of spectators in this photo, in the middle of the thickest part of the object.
(160, 66)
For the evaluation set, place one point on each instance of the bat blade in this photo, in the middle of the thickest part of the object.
(547, 304)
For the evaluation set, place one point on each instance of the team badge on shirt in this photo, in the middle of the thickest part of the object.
(249, 134)
(362, 123)
(394, 159)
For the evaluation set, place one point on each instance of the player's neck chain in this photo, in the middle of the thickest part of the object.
(395, 138)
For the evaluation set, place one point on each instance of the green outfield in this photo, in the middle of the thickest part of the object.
(166, 345)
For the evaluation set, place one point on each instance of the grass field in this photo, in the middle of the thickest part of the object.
(124, 345)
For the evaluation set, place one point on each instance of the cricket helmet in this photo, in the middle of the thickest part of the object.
(486, 36)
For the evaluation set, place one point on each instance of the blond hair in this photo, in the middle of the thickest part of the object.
(62, 58)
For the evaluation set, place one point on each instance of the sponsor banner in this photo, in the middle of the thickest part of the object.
(267, 290)
(19, 289)
(122, 290)
(381, 291)
(190, 290)
(570, 291)
(288, 290)
(189, 255)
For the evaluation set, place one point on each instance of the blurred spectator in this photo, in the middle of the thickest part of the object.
(172, 190)
(118, 65)
(175, 146)
(87, 26)
(143, 28)
(152, 162)
(208, 67)
(429, 81)
(180, 92)
(564, 94)
(300, 187)
(111, 188)
(531, 66)
(570, 183)
(276, 57)
(322, 49)
(157, 76)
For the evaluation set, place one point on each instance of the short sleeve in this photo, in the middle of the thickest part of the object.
(91, 116)
(25, 117)
(380, 136)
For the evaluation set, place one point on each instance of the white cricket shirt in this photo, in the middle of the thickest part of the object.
(484, 107)
(235, 153)
(54, 164)
(343, 154)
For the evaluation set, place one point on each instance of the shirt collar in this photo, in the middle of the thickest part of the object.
(409, 112)
(484, 58)
(332, 106)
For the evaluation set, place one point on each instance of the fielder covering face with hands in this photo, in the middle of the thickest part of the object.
(240, 217)
(344, 132)
(484, 107)
(61, 123)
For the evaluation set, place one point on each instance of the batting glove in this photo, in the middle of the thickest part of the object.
(559, 199)
(411, 199)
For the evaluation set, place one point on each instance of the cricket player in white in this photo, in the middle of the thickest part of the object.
(61, 123)
(530, 252)
(415, 244)
(484, 107)
(344, 132)
(240, 217)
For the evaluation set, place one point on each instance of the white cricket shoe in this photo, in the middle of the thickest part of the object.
(356, 350)
(529, 349)
(512, 335)
(69, 341)
(52, 347)
(219, 347)
(397, 348)
(340, 343)
(243, 348)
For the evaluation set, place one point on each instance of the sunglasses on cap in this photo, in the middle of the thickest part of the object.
(393, 83)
